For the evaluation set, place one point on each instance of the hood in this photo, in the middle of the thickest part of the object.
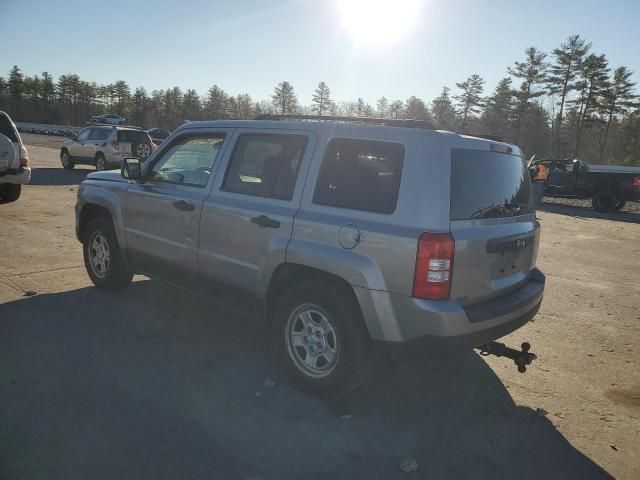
(109, 176)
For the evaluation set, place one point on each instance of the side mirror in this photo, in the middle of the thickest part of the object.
(131, 169)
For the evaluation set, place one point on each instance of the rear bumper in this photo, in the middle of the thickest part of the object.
(422, 326)
(17, 176)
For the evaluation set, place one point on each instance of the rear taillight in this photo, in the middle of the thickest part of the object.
(636, 183)
(115, 144)
(24, 156)
(434, 266)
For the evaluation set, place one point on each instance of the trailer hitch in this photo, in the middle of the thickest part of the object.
(521, 358)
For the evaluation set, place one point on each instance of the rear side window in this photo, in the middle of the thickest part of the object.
(133, 136)
(265, 165)
(6, 128)
(488, 185)
(361, 175)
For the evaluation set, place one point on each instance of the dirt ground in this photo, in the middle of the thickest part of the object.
(157, 383)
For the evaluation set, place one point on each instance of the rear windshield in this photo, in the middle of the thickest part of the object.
(488, 185)
(134, 136)
(6, 128)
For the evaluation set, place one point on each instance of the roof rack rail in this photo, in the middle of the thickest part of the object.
(409, 123)
(495, 138)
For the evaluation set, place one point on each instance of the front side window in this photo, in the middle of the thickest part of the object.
(360, 175)
(265, 165)
(84, 134)
(189, 161)
(99, 134)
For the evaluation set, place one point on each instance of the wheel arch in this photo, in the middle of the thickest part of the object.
(99, 206)
(287, 274)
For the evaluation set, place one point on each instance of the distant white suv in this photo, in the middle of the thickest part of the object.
(14, 158)
(105, 146)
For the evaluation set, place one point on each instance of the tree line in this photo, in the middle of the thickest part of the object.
(567, 104)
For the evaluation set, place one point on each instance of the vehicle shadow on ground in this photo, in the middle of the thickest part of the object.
(587, 212)
(158, 383)
(58, 176)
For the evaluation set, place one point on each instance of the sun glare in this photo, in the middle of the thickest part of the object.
(378, 21)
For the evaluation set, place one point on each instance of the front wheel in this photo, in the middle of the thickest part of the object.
(103, 258)
(65, 159)
(321, 338)
(101, 163)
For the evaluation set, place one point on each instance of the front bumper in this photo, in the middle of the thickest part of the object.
(17, 176)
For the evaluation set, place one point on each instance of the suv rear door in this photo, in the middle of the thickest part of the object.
(247, 221)
(493, 224)
(162, 214)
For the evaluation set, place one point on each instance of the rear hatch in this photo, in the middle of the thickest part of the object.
(7, 129)
(128, 140)
(492, 221)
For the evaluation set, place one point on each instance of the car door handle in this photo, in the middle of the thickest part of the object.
(265, 222)
(184, 206)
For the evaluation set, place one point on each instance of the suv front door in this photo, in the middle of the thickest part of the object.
(80, 149)
(162, 213)
(247, 221)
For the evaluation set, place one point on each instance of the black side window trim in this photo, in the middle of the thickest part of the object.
(327, 149)
(265, 134)
(147, 168)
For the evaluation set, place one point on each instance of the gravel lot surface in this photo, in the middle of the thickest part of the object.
(158, 383)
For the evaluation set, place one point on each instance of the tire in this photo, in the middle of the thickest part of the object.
(66, 160)
(141, 150)
(9, 192)
(101, 163)
(318, 311)
(621, 203)
(103, 258)
(604, 202)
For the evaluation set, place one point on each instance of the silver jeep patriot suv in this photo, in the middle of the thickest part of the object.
(344, 235)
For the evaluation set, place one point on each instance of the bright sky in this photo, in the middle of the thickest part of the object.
(411, 47)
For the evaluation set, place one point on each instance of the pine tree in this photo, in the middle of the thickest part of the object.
(470, 99)
(16, 88)
(444, 115)
(360, 107)
(122, 93)
(532, 74)
(284, 99)
(594, 76)
(321, 100)
(617, 98)
(496, 118)
(565, 69)
(383, 107)
(215, 103)
(415, 108)
(396, 109)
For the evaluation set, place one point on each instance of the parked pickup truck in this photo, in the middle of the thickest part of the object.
(609, 186)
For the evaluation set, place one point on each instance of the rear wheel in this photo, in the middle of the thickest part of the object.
(65, 159)
(621, 203)
(101, 163)
(9, 192)
(103, 258)
(604, 202)
(321, 338)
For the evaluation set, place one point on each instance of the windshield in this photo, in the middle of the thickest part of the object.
(488, 185)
